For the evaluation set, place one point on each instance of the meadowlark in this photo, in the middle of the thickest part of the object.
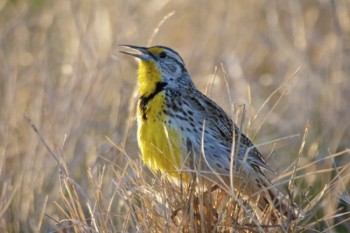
(179, 126)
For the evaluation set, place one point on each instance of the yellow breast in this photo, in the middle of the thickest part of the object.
(160, 144)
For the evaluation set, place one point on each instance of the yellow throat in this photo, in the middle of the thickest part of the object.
(160, 144)
(148, 75)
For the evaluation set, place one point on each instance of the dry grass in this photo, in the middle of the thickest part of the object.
(287, 62)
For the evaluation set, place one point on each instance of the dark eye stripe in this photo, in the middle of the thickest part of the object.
(176, 57)
(162, 55)
(171, 50)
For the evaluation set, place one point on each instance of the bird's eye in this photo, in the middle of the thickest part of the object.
(162, 55)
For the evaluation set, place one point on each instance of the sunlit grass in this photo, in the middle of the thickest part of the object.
(287, 63)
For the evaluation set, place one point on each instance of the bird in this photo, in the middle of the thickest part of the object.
(182, 132)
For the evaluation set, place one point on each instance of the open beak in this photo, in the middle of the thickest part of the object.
(139, 52)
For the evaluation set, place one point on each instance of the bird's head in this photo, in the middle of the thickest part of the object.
(159, 64)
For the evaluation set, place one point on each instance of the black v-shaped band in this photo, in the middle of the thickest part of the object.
(144, 100)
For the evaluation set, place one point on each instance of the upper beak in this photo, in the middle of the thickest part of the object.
(139, 52)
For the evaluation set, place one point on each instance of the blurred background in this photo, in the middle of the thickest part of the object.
(288, 62)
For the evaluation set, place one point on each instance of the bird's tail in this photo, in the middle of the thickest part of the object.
(270, 196)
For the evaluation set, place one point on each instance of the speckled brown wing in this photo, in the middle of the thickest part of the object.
(222, 127)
